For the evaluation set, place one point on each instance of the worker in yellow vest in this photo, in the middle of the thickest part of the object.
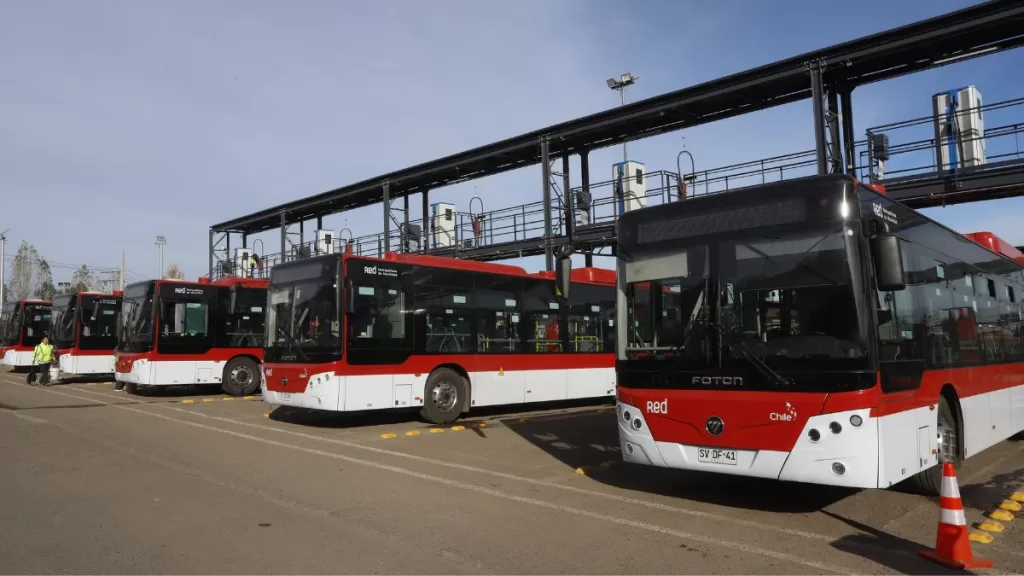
(43, 357)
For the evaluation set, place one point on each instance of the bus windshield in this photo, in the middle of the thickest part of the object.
(137, 319)
(785, 300)
(303, 316)
(63, 331)
(35, 322)
(98, 317)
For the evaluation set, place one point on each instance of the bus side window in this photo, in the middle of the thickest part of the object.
(497, 308)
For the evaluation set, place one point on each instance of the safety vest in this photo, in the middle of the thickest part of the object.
(44, 353)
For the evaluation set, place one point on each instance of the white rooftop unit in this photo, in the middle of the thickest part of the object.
(630, 185)
(442, 224)
(244, 266)
(324, 242)
(959, 128)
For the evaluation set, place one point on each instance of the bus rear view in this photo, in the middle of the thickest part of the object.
(768, 332)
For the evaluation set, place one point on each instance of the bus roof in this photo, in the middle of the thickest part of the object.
(586, 275)
(997, 245)
(454, 263)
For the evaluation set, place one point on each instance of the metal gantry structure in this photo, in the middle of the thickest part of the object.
(828, 77)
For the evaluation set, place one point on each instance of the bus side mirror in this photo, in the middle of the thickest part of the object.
(563, 272)
(885, 250)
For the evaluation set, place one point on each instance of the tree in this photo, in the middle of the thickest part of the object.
(174, 273)
(83, 280)
(30, 275)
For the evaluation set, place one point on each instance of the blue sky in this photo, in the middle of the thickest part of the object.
(123, 120)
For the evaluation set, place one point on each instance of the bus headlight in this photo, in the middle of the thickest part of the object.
(856, 420)
(838, 469)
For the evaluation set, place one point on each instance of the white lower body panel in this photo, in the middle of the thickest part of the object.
(327, 391)
(855, 448)
(87, 364)
(879, 453)
(18, 358)
(173, 372)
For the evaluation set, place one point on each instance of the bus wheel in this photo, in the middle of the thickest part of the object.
(443, 396)
(241, 377)
(947, 445)
(131, 388)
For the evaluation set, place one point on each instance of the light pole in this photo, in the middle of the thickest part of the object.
(620, 84)
(160, 242)
(3, 265)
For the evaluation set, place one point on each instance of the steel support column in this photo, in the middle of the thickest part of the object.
(849, 138)
(568, 213)
(387, 218)
(319, 222)
(425, 234)
(585, 187)
(817, 97)
(545, 173)
(405, 233)
(835, 151)
(211, 256)
(284, 237)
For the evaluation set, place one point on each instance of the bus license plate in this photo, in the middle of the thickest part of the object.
(716, 456)
(285, 396)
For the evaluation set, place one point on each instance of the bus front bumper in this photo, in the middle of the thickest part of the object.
(849, 458)
(18, 358)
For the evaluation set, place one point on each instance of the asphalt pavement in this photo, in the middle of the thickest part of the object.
(190, 481)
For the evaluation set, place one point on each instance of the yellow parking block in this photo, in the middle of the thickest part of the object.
(209, 399)
(436, 430)
(981, 537)
(388, 435)
(188, 401)
(1001, 515)
(1010, 505)
(457, 428)
(413, 433)
(1017, 496)
(990, 526)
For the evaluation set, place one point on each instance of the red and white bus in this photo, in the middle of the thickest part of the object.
(22, 327)
(350, 333)
(817, 331)
(83, 331)
(176, 333)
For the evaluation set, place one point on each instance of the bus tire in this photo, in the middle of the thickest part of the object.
(131, 388)
(948, 448)
(241, 377)
(443, 396)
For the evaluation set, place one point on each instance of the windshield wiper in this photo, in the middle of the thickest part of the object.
(760, 365)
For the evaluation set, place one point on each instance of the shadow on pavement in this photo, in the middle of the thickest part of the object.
(897, 554)
(490, 417)
(590, 441)
(990, 492)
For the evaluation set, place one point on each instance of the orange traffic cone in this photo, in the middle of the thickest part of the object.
(952, 543)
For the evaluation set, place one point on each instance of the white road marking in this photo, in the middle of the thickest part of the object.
(25, 417)
(738, 546)
(505, 475)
